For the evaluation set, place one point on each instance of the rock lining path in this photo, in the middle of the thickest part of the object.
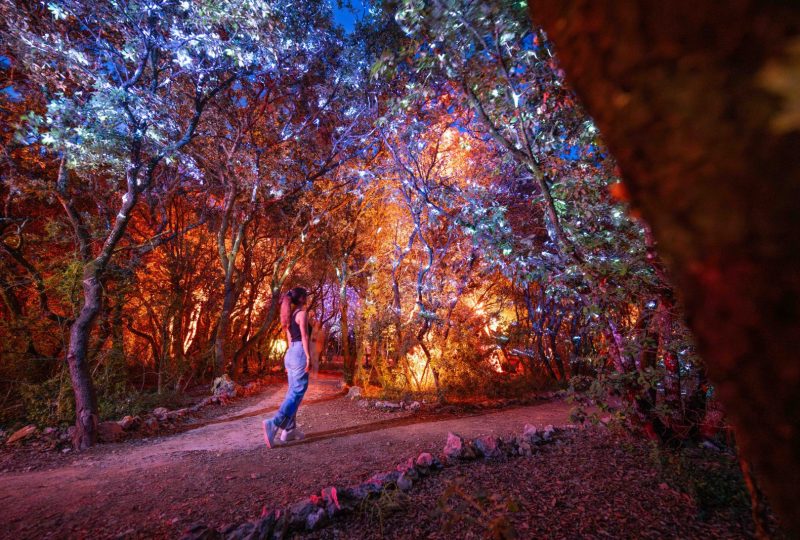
(222, 473)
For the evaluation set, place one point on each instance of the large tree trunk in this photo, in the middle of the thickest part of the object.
(78, 361)
(688, 98)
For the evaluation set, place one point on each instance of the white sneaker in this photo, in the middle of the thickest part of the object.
(292, 435)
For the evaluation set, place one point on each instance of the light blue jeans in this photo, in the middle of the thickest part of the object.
(295, 363)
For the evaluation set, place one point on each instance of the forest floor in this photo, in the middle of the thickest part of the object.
(219, 472)
(594, 483)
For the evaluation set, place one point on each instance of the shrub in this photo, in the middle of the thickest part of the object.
(49, 403)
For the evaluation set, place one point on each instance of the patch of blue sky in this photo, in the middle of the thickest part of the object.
(572, 152)
(527, 41)
(346, 13)
(11, 94)
(5, 62)
(110, 69)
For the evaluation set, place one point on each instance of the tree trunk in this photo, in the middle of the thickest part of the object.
(319, 337)
(616, 348)
(539, 333)
(257, 338)
(694, 101)
(345, 331)
(359, 353)
(178, 310)
(557, 360)
(77, 358)
(223, 328)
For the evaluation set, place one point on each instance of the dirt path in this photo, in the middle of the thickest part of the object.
(221, 472)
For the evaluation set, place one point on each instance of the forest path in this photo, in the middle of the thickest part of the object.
(229, 432)
(221, 472)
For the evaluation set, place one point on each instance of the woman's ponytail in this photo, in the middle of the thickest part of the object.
(286, 311)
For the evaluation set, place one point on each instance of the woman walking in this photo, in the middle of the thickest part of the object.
(295, 322)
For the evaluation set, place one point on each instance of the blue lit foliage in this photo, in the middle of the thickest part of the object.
(129, 76)
(547, 221)
(504, 70)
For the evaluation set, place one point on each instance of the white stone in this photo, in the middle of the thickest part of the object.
(355, 392)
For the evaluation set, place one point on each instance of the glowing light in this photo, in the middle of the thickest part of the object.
(494, 362)
(278, 347)
(190, 334)
(416, 364)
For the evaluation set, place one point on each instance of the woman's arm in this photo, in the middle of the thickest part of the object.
(301, 320)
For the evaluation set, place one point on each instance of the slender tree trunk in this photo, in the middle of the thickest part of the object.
(233, 278)
(428, 365)
(319, 336)
(557, 360)
(77, 352)
(345, 331)
(176, 328)
(397, 306)
(538, 334)
(693, 100)
(223, 328)
(399, 348)
(86, 418)
(543, 356)
(617, 346)
(360, 347)
(163, 358)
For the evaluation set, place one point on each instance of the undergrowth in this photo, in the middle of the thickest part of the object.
(375, 510)
(52, 402)
(490, 511)
(494, 386)
(707, 476)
